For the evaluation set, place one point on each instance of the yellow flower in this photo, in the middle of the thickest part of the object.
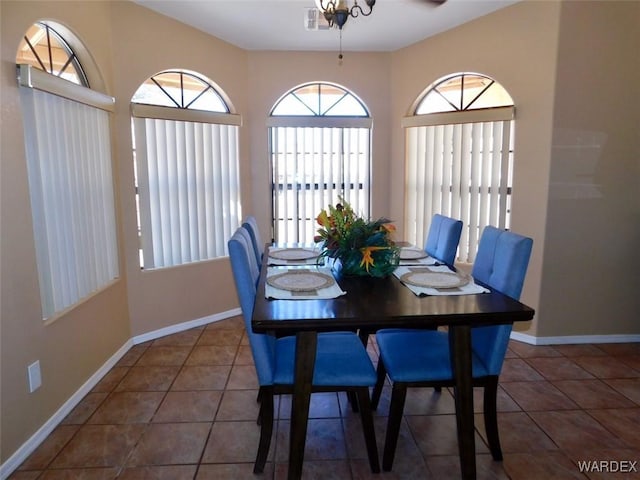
(323, 219)
(389, 227)
(367, 259)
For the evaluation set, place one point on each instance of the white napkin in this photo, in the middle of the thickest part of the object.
(468, 289)
(332, 291)
(280, 261)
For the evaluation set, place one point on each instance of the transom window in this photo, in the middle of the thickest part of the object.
(466, 91)
(180, 89)
(320, 99)
(186, 162)
(44, 48)
(459, 158)
(320, 149)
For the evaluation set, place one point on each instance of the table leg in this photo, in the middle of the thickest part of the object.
(306, 344)
(460, 338)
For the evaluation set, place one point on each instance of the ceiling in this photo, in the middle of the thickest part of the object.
(279, 24)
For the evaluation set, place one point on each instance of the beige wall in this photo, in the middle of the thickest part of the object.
(565, 76)
(77, 344)
(127, 44)
(525, 65)
(591, 268)
(166, 297)
(272, 74)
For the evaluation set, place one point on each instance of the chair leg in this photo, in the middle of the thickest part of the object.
(351, 396)
(266, 429)
(364, 337)
(368, 428)
(259, 400)
(398, 397)
(491, 417)
(353, 401)
(377, 389)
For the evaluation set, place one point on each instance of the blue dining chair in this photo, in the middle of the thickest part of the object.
(342, 363)
(443, 238)
(442, 244)
(251, 225)
(420, 358)
(254, 263)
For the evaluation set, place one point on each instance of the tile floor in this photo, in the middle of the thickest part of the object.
(184, 407)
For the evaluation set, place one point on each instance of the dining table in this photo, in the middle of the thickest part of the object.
(371, 304)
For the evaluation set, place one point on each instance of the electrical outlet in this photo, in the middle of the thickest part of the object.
(35, 378)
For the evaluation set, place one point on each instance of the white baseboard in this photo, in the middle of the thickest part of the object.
(37, 438)
(27, 448)
(574, 339)
(180, 327)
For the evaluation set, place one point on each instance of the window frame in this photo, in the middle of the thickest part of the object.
(149, 226)
(466, 119)
(320, 123)
(72, 58)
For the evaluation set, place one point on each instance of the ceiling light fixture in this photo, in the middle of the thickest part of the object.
(337, 12)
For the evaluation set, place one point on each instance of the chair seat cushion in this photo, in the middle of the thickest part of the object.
(419, 356)
(341, 360)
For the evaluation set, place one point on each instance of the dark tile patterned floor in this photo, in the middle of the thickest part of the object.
(184, 407)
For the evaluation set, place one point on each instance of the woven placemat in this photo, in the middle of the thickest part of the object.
(429, 279)
(293, 254)
(300, 281)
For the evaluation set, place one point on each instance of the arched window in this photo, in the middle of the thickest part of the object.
(180, 89)
(68, 149)
(459, 158)
(320, 149)
(45, 49)
(186, 161)
(465, 91)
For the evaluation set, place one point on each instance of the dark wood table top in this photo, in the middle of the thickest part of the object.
(375, 303)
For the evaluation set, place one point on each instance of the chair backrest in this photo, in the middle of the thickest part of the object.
(246, 277)
(501, 263)
(251, 225)
(443, 238)
(254, 265)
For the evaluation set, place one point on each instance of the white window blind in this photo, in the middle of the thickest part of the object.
(188, 185)
(462, 170)
(70, 182)
(311, 168)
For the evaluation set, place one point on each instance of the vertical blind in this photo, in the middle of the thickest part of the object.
(312, 167)
(68, 149)
(188, 186)
(460, 170)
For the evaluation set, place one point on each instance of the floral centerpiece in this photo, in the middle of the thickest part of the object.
(364, 247)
